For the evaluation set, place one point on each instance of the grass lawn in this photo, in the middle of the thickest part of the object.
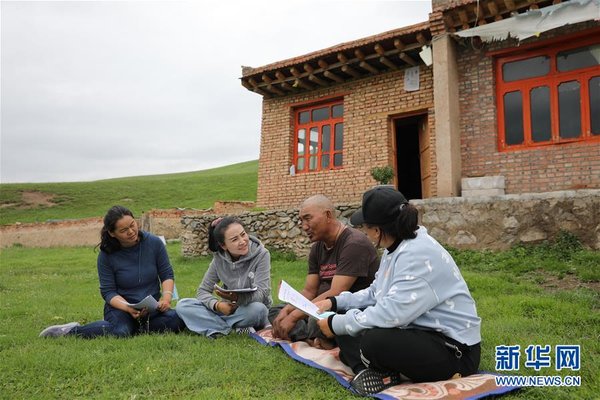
(91, 199)
(40, 287)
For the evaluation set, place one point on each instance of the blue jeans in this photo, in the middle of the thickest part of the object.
(198, 318)
(121, 324)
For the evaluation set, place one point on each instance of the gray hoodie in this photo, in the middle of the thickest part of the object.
(418, 286)
(251, 270)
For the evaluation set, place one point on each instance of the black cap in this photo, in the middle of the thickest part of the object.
(380, 205)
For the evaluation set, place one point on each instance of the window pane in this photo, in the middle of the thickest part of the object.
(339, 137)
(300, 166)
(320, 114)
(541, 129)
(312, 165)
(582, 57)
(325, 161)
(337, 160)
(337, 111)
(325, 137)
(301, 141)
(595, 105)
(513, 118)
(523, 69)
(569, 110)
(314, 140)
(304, 117)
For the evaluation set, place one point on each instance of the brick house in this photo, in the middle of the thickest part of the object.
(527, 111)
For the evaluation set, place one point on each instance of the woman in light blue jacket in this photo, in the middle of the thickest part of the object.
(417, 319)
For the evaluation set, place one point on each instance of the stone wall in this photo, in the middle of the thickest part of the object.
(492, 222)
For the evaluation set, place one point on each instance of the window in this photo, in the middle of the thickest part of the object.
(549, 95)
(319, 137)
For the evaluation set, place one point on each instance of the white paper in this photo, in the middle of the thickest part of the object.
(411, 79)
(295, 298)
(148, 302)
(243, 290)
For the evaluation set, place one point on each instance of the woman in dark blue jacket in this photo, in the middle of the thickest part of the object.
(132, 265)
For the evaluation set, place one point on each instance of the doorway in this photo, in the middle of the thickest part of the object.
(412, 153)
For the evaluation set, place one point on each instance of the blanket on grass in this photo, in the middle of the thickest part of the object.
(472, 387)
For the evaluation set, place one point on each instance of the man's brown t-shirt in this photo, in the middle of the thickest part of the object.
(352, 255)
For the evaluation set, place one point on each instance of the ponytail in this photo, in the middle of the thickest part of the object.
(404, 226)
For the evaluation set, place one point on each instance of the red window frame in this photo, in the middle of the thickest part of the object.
(329, 153)
(552, 80)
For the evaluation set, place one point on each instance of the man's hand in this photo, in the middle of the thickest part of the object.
(283, 327)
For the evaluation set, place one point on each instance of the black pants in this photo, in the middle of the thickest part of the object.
(421, 356)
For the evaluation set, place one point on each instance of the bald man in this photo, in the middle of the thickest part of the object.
(341, 259)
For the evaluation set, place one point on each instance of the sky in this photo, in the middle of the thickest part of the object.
(97, 89)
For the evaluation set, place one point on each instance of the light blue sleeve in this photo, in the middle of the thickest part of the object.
(406, 299)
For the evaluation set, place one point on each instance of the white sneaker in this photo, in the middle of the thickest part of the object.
(245, 331)
(58, 330)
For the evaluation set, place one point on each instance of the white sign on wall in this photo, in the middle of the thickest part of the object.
(411, 79)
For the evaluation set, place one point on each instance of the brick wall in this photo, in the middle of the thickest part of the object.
(369, 105)
(550, 168)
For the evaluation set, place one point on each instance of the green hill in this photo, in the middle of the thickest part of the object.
(198, 189)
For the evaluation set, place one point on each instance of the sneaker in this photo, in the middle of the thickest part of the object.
(245, 331)
(58, 330)
(368, 381)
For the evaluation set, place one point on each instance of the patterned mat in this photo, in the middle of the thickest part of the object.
(472, 387)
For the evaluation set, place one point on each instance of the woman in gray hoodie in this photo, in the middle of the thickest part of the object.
(243, 267)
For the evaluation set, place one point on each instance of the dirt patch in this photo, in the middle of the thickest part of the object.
(566, 282)
(33, 199)
(83, 232)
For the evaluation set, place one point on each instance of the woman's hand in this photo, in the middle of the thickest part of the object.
(323, 305)
(226, 308)
(233, 297)
(137, 314)
(324, 326)
(164, 304)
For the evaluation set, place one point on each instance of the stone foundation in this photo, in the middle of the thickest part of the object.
(486, 222)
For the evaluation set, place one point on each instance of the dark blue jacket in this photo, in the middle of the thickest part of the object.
(135, 272)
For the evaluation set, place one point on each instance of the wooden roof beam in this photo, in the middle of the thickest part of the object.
(386, 61)
(300, 83)
(266, 79)
(398, 44)
(317, 80)
(342, 58)
(464, 19)
(253, 88)
(312, 77)
(363, 64)
(479, 13)
(275, 90)
(408, 59)
(281, 80)
(350, 71)
(328, 74)
(449, 22)
(383, 59)
(493, 7)
(510, 5)
(421, 39)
